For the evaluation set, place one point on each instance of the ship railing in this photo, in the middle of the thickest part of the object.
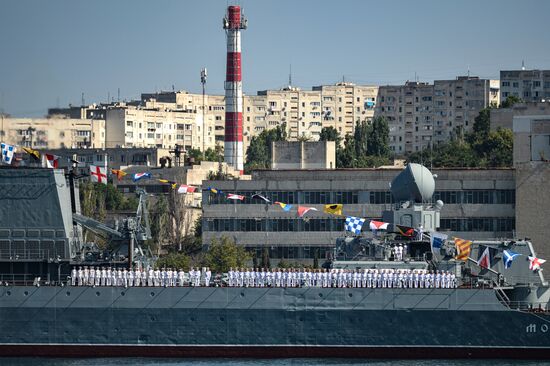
(21, 280)
(25, 254)
(531, 307)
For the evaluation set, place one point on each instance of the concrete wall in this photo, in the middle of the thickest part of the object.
(503, 117)
(533, 204)
(114, 128)
(303, 155)
(531, 138)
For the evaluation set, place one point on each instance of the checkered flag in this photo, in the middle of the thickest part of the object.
(354, 224)
(8, 151)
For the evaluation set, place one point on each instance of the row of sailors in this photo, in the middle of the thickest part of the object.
(277, 277)
(91, 276)
(367, 278)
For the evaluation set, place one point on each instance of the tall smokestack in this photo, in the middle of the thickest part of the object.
(233, 146)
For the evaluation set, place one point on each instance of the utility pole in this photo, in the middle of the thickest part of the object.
(203, 82)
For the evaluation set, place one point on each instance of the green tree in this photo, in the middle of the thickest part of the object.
(378, 138)
(223, 254)
(330, 134)
(265, 262)
(499, 148)
(346, 156)
(361, 137)
(284, 264)
(316, 259)
(215, 154)
(258, 154)
(196, 155)
(510, 101)
(481, 127)
(159, 221)
(174, 260)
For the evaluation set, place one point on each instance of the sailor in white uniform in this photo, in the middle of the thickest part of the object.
(207, 276)
(73, 276)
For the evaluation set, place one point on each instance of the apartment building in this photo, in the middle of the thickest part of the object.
(299, 109)
(343, 104)
(419, 113)
(129, 126)
(409, 111)
(529, 85)
(53, 133)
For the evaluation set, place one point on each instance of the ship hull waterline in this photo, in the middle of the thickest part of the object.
(273, 352)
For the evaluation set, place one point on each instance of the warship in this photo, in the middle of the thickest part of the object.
(494, 312)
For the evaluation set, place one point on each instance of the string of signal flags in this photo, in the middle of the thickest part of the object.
(487, 255)
(353, 224)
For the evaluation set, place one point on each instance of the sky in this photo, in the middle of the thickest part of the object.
(53, 51)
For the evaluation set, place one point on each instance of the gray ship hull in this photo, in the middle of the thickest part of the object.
(255, 322)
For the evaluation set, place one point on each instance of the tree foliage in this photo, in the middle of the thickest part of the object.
(224, 254)
(368, 147)
(258, 154)
(510, 101)
(330, 134)
(173, 223)
(210, 154)
(97, 199)
(479, 148)
(265, 262)
(174, 260)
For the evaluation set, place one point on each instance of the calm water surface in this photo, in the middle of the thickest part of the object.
(233, 362)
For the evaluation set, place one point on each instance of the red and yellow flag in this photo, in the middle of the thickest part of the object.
(119, 173)
(463, 247)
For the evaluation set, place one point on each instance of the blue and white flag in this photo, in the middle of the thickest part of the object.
(354, 224)
(138, 176)
(8, 151)
(509, 257)
(437, 240)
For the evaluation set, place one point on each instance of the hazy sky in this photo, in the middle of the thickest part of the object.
(52, 51)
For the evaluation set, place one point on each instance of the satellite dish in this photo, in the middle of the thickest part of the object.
(415, 183)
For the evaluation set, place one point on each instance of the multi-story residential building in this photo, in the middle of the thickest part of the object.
(419, 113)
(53, 133)
(300, 110)
(343, 104)
(463, 99)
(529, 85)
(409, 111)
(128, 126)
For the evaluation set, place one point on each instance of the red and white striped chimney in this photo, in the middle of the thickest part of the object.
(233, 146)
